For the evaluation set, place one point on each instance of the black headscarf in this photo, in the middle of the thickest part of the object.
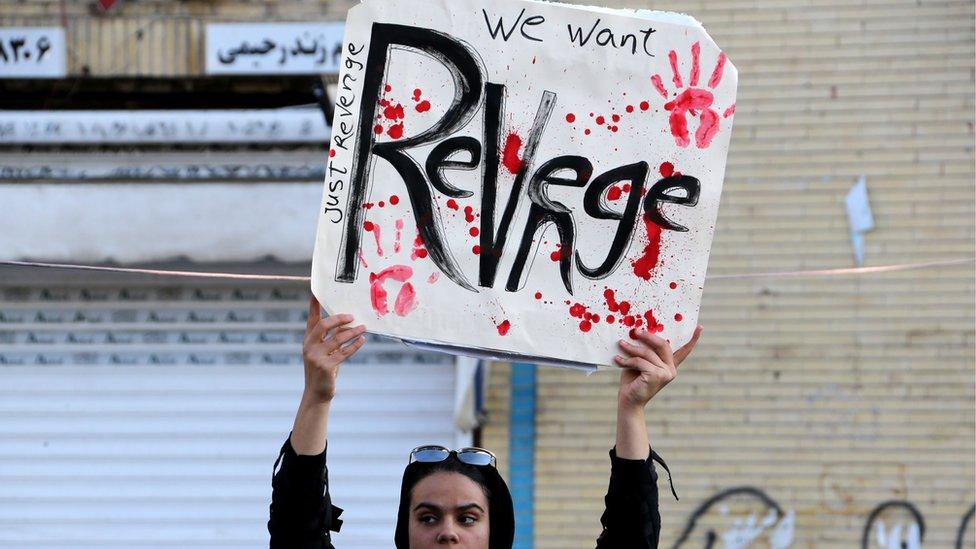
(501, 511)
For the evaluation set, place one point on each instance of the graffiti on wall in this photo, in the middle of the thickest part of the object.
(738, 518)
(898, 524)
(745, 516)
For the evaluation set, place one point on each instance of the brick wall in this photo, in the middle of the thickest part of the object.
(828, 395)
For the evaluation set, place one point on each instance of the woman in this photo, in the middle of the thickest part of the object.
(457, 498)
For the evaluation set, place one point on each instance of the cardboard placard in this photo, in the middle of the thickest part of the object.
(523, 179)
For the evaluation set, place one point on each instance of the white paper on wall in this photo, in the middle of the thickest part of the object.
(523, 179)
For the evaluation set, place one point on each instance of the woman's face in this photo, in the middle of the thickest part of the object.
(448, 509)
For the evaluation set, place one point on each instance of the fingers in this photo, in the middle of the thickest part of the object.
(324, 326)
(343, 336)
(645, 367)
(681, 354)
(314, 312)
(645, 359)
(658, 345)
(349, 350)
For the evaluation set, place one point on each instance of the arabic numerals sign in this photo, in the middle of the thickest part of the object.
(35, 52)
(274, 48)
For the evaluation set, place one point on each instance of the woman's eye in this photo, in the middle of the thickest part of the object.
(468, 519)
(428, 519)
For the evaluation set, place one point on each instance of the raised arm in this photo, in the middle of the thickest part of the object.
(631, 518)
(302, 513)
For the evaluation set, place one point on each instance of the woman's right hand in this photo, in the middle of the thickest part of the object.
(328, 342)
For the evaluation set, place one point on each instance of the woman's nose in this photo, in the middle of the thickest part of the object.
(448, 535)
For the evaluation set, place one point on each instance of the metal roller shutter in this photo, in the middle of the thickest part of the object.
(150, 416)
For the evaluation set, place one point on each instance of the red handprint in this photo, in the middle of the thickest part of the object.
(693, 100)
(406, 298)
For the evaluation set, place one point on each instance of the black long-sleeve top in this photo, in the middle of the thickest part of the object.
(303, 517)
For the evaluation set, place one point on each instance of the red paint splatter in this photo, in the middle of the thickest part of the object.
(423, 106)
(644, 105)
(614, 129)
(398, 225)
(690, 101)
(624, 307)
(406, 299)
(586, 131)
(630, 108)
(678, 317)
(626, 187)
(628, 321)
(469, 214)
(610, 319)
(673, 57)
(570, 118)
(666, 169)
(504, 327)
(476, 249)
(332, 153)
(419, 252)
(474, 231)
(433, 278)
(729, 111)
(452, 204)
(659, 86)
(377, 129)
(615, 118)
(695, 63)
(600, 120)
(396, 131)
(717, 73)
(673, 285)
(367, 205)
(649, 316)
(647, 262)
(614, 193)
(510, 155)
(611, 300)
(394, 200)
(369, 226)
(382, 204)
(416, 94)
(388, 88)
(538, 295)
(577, 310)
(585, 326)
(394, 112)
(559, 253)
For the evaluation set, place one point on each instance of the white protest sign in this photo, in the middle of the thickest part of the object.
(523, 179)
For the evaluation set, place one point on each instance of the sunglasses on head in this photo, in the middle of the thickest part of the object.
(471, 456)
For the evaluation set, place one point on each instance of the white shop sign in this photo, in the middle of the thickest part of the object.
(34, 52)
(274, 48)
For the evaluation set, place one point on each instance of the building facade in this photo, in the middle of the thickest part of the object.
(826, 410)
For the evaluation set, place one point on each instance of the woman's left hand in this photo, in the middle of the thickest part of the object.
(648, 365)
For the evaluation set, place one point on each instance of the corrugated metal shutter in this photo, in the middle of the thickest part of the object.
(152, 416)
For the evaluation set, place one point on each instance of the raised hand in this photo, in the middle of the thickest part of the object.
(328, 342)
(648, 365)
